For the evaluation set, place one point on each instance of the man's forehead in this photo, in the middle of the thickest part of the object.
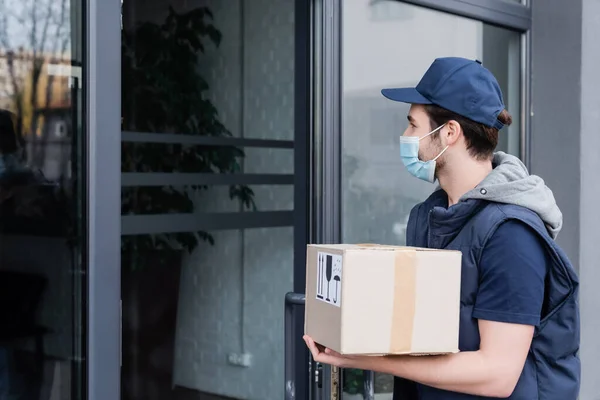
(416, 111)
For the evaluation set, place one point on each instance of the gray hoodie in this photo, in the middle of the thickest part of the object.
(510, 183)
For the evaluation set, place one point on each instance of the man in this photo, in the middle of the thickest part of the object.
(519, 318)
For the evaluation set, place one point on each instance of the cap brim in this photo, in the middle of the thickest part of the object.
(405, 95)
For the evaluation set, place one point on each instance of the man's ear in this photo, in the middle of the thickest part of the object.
(452, 132)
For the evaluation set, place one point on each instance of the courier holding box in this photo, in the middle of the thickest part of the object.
(376, 300)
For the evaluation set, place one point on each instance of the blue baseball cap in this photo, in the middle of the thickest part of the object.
(460, 85)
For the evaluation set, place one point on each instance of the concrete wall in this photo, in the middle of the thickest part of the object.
(589, 252)
(565, 144)
(556, 101)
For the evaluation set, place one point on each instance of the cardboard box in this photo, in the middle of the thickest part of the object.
(374, 299)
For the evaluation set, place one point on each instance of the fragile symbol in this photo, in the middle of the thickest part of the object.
(320, 278)
(329, 278)
(337, 282)
(328, 273)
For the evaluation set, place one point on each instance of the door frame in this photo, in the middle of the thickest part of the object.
(102, 105)
(302, 183)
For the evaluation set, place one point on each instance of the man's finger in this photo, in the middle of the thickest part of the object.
(311, 343)
(318, 355)
(312, 347)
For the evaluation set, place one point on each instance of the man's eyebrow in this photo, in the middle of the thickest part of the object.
(410, 118)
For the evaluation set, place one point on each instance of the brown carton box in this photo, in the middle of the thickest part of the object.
(374, 299)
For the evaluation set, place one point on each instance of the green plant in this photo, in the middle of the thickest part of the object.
(353, 381)
(163, 92)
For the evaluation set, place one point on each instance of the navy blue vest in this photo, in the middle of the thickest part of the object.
(552, 369)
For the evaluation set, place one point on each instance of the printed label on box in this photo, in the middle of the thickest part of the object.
(329, 278)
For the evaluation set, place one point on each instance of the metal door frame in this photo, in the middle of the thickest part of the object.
(102, 78)
(298, 363)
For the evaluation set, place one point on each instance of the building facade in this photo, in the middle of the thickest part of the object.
(165, 162)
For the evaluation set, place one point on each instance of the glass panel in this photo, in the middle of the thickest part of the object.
(247, 63)
(378, 193)
(202, 311)
(266, 198)
(142, 157)
(263, 161)
(42, 231)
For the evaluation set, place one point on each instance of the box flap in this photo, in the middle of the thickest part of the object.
(374, 246)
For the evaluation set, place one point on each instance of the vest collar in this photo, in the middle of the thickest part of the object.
(444, 222)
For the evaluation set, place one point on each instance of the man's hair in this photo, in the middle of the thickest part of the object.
(481, 140)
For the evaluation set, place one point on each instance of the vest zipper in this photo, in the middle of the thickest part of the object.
(429, 228)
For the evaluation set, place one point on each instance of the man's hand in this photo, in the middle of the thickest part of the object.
(330, 357)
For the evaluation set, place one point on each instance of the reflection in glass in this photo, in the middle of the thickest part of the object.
(42, 353)
(377, 192)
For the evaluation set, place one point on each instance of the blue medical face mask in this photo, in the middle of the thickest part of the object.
(409, 152)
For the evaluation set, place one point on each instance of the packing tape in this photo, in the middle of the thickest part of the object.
(405, 274)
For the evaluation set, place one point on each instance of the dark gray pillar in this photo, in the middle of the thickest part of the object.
(556, 94)
(565, 141)
(589, 251)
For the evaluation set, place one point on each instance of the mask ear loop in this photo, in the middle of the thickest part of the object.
(438, 156)
(432, 132)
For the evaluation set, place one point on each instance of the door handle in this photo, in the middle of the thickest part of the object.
(291, 300)
(368, 385)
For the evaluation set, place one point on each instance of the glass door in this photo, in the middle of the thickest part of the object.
(210, 218)
(43, 229)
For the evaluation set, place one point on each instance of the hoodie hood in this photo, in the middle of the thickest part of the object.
(510, 183)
